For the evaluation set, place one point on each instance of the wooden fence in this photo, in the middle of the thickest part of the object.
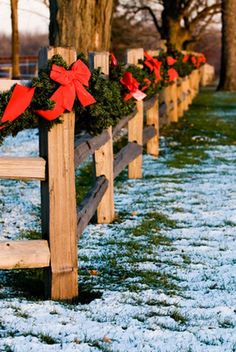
(60, 153)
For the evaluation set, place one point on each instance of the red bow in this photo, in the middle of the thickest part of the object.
(132, 85)
(153, 65)
(19, 102)
(72, 85)
(170, 60)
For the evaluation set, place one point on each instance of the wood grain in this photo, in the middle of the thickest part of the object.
(87, 145)
(59, 219)
(135, 126)
(103, 156)
(152, 116)
(22, 168)
(24, 254)
(127, 154)
(90, 203)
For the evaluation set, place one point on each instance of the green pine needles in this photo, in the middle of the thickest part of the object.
(109, 93)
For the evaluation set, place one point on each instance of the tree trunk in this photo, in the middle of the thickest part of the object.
(171, 25)
(82, 24)
(15, 40)
(228, 58)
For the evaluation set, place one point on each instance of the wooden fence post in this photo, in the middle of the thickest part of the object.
(135, 126)
(180, 97)
(173, 114)
(188, 92)
(153, 119)
(170, 98)
(198, 79)
(58, 196)
(103, 157)
(192, 79)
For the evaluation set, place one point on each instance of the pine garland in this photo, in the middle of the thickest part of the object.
(109, 93)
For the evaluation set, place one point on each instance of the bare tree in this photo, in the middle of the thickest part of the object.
(228, 57)
(180, 22)
(15, 40)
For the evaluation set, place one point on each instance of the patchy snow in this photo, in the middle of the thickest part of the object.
(183, 294)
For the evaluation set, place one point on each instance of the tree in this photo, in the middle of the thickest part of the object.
(132, 35)
(15, 40)
(228, 58)
(180, 22)
(83, 24)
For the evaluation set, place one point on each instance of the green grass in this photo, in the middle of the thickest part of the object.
(47, 339)
(212, 115)
(153, 221)
(226, 324)
(209, 121)
(178, 317)
(84, 181)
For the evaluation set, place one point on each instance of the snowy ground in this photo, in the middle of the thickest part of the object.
(164, 274)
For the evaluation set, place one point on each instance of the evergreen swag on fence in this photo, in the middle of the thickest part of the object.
(125, 84)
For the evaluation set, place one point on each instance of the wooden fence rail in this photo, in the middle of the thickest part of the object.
(60, 153)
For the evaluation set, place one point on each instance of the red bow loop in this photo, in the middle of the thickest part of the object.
(114, 61)
(154, 65)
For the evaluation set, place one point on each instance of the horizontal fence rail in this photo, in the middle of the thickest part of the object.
(23, 168)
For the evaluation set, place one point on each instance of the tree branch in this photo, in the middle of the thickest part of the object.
(208, 11)
(149, 9)
(185, 7)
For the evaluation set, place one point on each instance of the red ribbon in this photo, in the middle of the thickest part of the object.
(170, 60)
(147, 84)
(114, 61)
(19, 102)
(132, 85)
(153, 65)
(72, 86)
(185, 58)
(194, 60)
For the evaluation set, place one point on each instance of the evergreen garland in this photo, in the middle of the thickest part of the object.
(109, 93)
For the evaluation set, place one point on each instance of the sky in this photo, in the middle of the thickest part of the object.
(33, 16)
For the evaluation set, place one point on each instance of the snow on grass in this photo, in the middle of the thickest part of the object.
(161, 278)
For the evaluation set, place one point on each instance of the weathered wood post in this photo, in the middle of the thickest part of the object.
(152, 119)
(180, 97)
(103, 157)
(170, 97)
(207, 74)
(198, 79)
(58, 196)
(173, 114)
(135, 126)
(188, 92)
(192, 79)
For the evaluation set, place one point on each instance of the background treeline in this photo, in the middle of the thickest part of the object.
(132, 36)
